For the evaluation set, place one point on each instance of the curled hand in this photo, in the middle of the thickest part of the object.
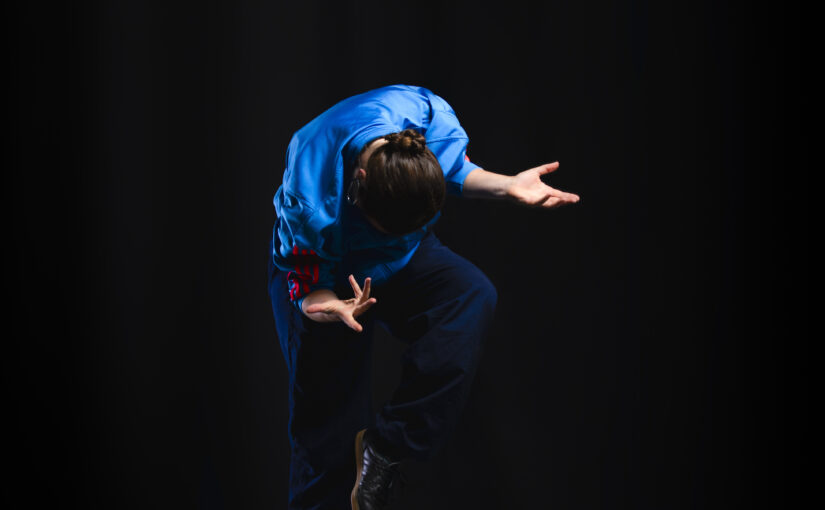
(528, 189)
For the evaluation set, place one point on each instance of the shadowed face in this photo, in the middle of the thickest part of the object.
(360, 173)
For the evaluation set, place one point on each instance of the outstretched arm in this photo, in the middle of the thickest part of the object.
(524, 188)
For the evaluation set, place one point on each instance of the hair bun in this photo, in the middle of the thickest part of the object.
(409, 141)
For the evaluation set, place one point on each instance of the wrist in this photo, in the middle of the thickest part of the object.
(481, 183)
(317, 296)
(507, 189)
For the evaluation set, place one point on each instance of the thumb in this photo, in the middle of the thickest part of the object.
(550, 167)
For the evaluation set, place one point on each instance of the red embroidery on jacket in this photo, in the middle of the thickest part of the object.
(305, 273)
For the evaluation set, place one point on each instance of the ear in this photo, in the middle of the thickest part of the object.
(361, 173)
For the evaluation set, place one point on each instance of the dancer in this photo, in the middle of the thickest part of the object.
(364, 184)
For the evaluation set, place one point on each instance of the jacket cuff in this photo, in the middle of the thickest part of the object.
(298, 303)
(456, 184)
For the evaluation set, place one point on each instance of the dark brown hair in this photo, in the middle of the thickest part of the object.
(404, 186)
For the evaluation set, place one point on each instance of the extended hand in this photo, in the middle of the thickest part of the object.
(344, 310)
(527, 188)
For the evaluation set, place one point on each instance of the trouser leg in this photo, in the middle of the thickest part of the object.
(329, 400)
(442, 305)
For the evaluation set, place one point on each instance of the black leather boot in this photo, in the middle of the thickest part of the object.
(378, 476)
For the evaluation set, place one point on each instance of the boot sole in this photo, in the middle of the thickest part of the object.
(359, 464)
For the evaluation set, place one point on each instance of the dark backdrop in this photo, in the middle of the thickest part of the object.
(650, 346)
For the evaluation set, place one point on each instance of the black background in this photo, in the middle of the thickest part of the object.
(650, 348)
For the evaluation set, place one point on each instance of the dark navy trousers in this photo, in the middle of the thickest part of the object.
(441, 305)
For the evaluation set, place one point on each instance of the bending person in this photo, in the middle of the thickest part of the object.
(364, 184)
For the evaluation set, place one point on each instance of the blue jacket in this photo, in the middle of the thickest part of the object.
(319, 238)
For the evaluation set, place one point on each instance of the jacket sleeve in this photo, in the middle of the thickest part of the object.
(309, 273)
(305, 247)
(448, 142)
